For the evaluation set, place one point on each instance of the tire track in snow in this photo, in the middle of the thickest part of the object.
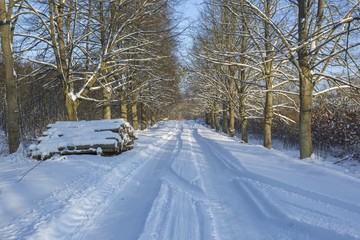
(179, 211)
(315, 221)
(126, 215)
(75, 219)
(275, 219)
(234, 166)
(232, 217)
(183, 185)
(22, 227)
(80, 201)
(174, 215)
(269, 215)
(229, 222)
(70, 221)
(183, 172)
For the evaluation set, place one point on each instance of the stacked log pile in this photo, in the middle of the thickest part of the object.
(102, 137)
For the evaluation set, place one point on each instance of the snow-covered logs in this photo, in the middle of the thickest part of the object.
(103, 137)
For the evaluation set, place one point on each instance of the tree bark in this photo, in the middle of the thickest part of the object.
(305, 131)
(207, 118)
(12, 112)
(216, 117)
(242, 75)
(224, 118)
(268, 110)
(231, 119)
(56, 18)
(268, 114)
(212, 118)
(107, 104)
(242, 112)
(306, 84)
(71, 107)
(123, 105)
(152, 118)
(134, 116)
(143, 117)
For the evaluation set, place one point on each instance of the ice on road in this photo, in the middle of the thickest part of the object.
(181, 181)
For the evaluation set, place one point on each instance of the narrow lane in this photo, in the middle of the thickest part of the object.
(184, 181)
(125, 215)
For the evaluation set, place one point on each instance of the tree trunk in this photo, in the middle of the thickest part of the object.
(71, 107)
(56, 18)
(143, 117)
(216, 117)
(231, 119)
(224, 118)
(268, 114)
(305, 131)
(212, 118)
(243, 121)
(123, 106)
(134, 116)
(207, 118)
(242, 107)
(306, 84)
(107, 104)
(10, 82)
(242, 75)
(152, 118)
(268, 110)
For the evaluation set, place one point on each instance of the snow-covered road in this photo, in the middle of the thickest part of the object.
(181, 181)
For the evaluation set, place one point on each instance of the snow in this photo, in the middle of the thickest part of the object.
(64, 134)
(181, 181)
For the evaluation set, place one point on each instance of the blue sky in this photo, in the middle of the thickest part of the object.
(190, 10)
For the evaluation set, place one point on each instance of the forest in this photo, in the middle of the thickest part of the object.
(276, 68)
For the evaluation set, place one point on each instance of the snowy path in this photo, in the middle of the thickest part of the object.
(181, 181)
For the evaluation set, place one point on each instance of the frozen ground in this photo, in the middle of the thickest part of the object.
(181, 181)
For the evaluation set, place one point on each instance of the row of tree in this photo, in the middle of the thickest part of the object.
(96, 54)
(265, 59)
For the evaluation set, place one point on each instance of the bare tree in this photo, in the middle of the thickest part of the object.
(321, 41)
(92, 46)
(7, 26)
(317, 38)
(317, 33)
